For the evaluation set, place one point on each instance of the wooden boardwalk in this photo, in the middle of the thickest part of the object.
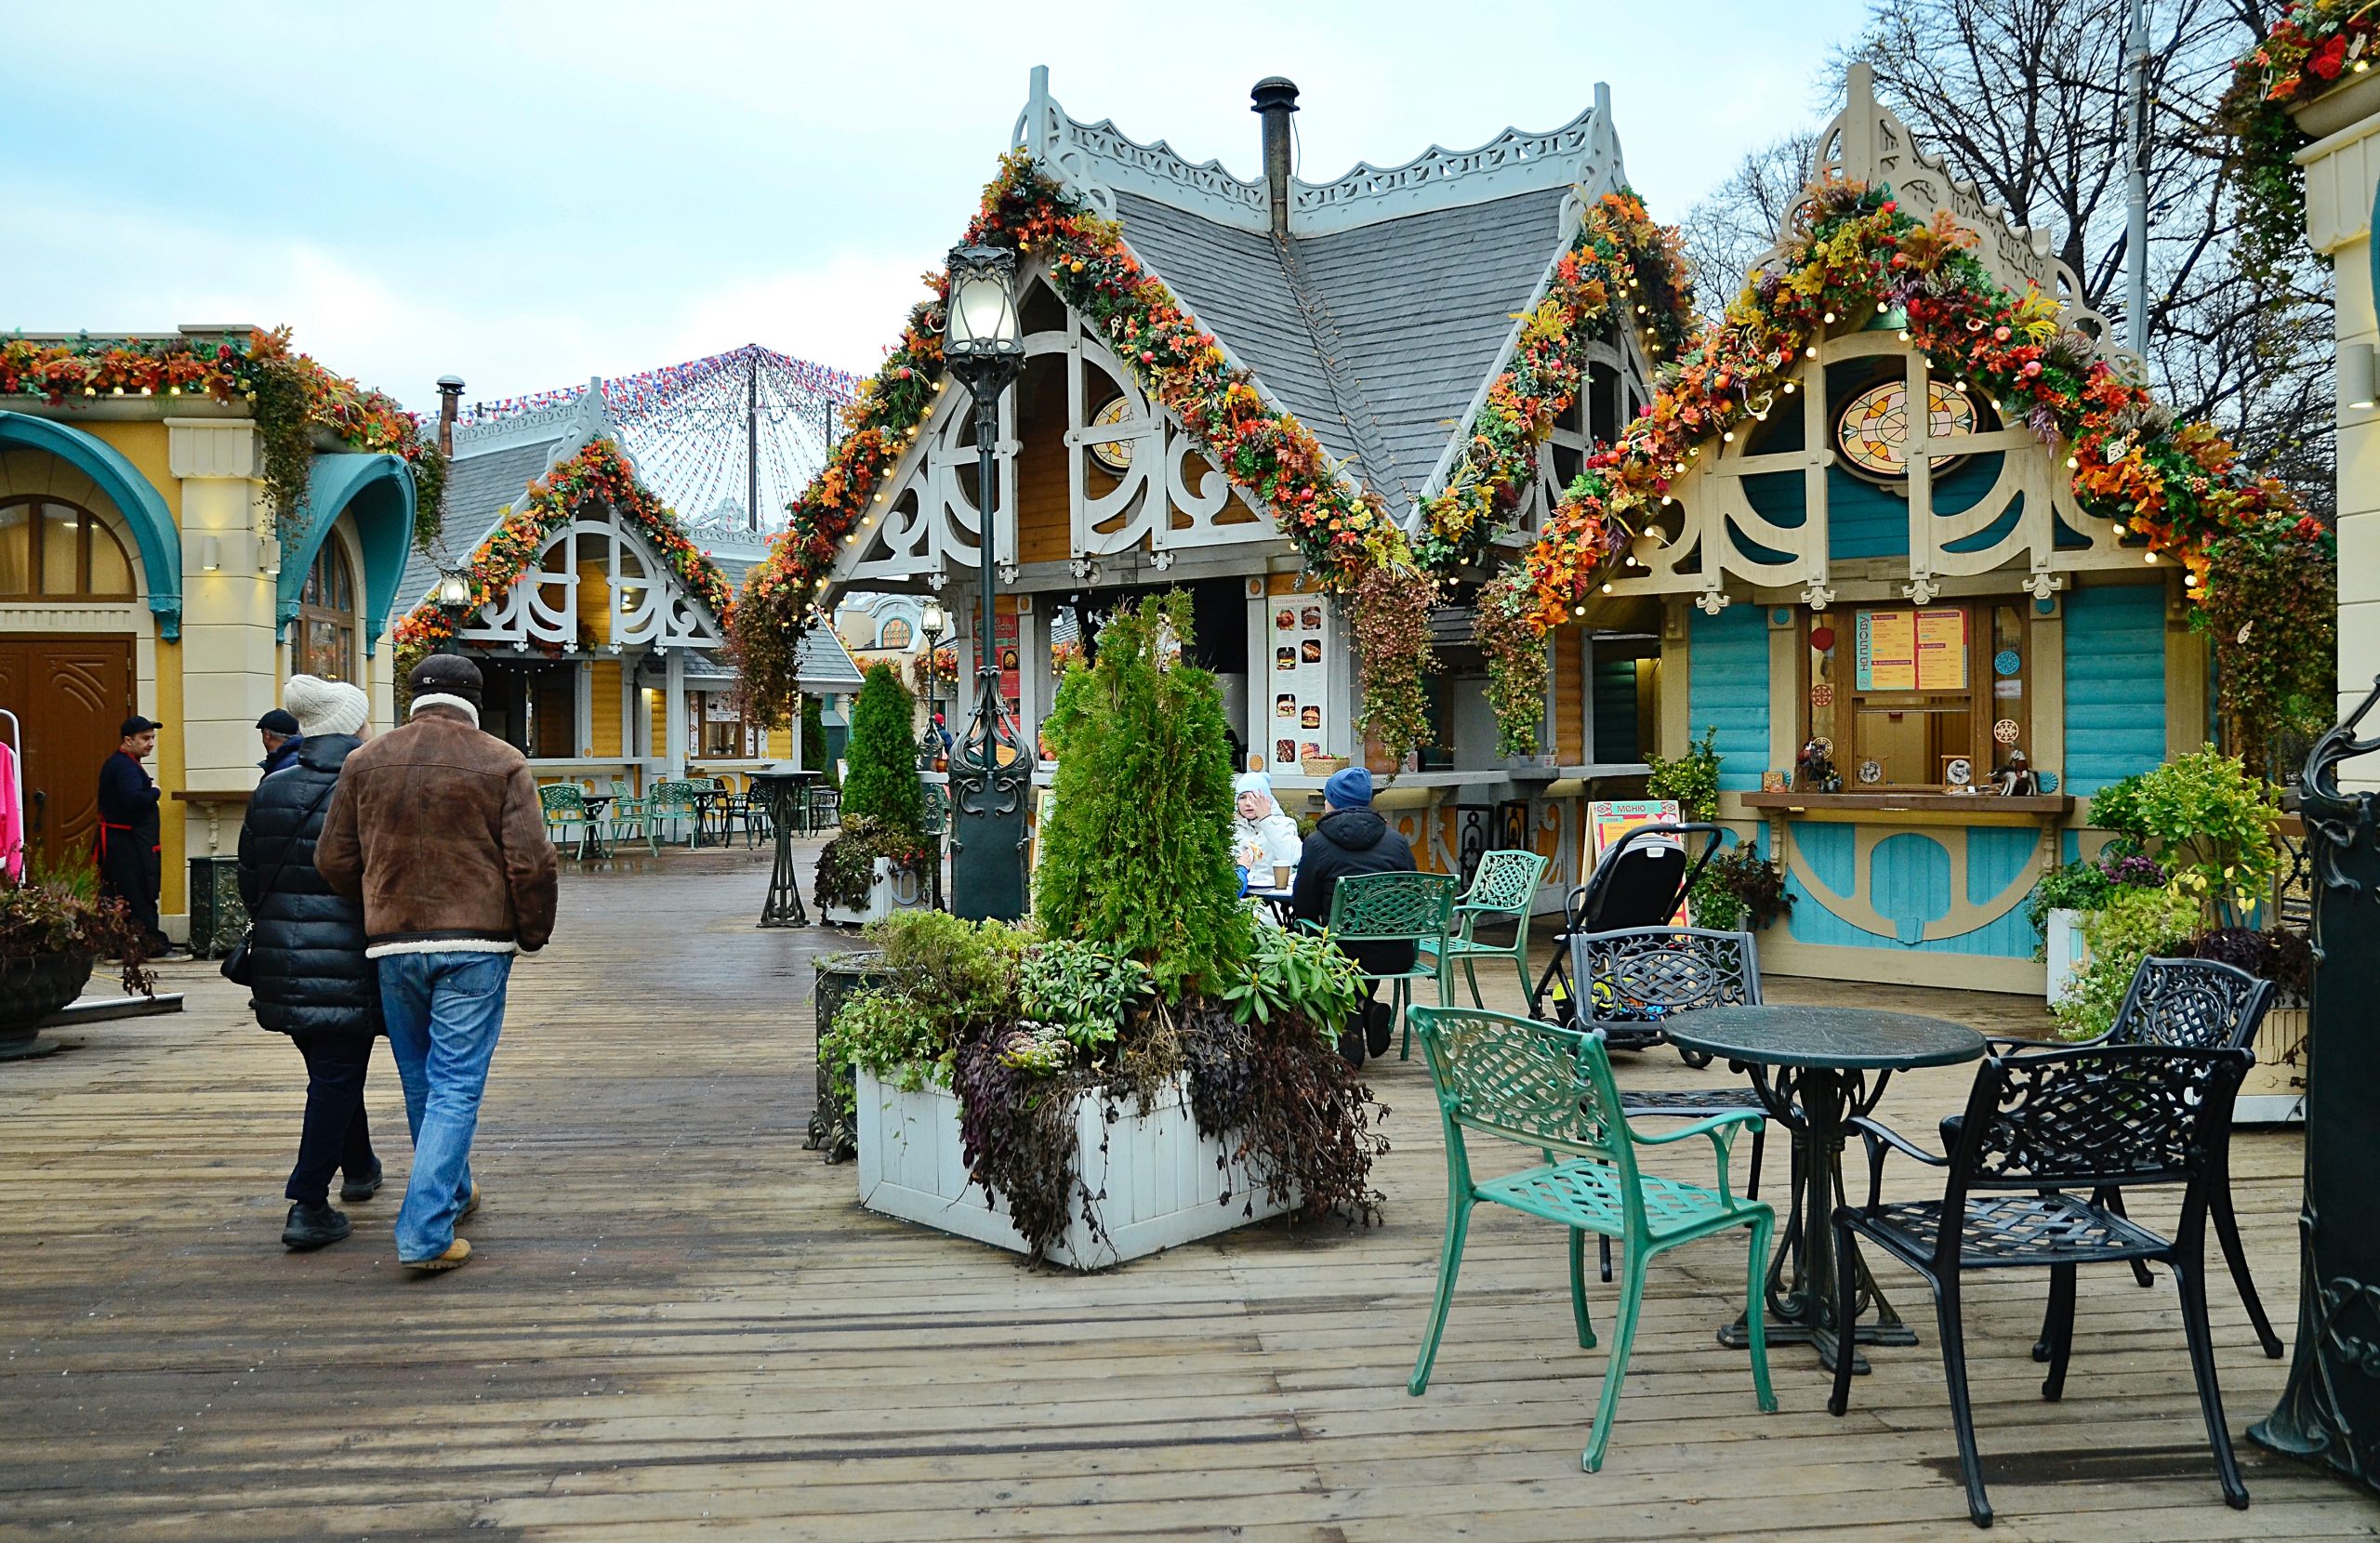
(681, 1325)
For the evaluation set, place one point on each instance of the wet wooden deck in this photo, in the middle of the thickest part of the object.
(679, 1323)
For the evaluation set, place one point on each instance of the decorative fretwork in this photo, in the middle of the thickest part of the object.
(643, 603)
(2020, 1230)
(1643, 974)
(2190, 1002)
(2079, 1119)
(1525, 1081)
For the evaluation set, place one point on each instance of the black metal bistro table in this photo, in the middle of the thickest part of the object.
(788, 795)
(589, 840)
(1813, 1069)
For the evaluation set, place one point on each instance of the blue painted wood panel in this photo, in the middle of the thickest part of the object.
(1728, 687)
(2115, 684)
(1908, 884)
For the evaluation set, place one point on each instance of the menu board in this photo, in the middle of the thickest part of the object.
(1004, 638)
(1298, 637)
(1912, 651)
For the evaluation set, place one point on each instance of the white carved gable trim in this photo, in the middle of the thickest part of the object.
(646, 604)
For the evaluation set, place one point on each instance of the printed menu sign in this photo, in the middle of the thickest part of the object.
(1004, 638)
(1298, 627)
(1912, 651)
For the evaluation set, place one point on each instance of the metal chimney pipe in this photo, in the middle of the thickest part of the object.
(450, 401)
(1274, 99)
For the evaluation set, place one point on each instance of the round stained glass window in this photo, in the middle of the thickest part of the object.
(1115, 455)
(1873, 431)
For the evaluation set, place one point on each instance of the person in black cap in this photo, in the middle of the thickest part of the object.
(278, 729)
(126, 845)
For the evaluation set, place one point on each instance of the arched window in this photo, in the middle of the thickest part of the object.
(894, 635)
(51, 549)
(327, 617)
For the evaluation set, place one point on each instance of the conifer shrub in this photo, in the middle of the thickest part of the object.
(883, 783)
(1136, 852)
(814, 739)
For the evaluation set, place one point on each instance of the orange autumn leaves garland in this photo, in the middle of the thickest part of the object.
(1854, 254)
(598, 474)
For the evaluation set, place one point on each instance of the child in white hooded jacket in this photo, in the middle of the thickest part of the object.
(1263, 838)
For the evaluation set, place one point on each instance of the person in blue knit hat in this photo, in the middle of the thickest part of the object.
(1347, 840)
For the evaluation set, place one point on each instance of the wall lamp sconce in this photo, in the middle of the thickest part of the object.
(210, 553)
(2356, 372)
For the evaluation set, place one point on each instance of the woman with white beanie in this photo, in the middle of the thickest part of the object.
(1264, 840)
(309, 973)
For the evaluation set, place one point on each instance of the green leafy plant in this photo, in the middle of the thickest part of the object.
(898, 1039)
(813, 740)
(882, 781)
(2211, 823)
(1136, 851)
(1742, 887)
(1295, 975)
(1389, 614)
(2271, 605)
(1080, 990)
(2135, 923)
(965, 972)
(2068, 886)
(1691, 779)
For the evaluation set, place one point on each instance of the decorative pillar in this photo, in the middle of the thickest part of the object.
(673, 712)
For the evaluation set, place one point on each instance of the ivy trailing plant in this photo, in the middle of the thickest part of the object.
(892, 1035)
(1622, 274)
(2313, 45)
(1136, 849)
(291, 397)
(1390, 617)
(1291, 1106)
(1852, 256)
(598, 474)
(2277, 685)
(1341, 530)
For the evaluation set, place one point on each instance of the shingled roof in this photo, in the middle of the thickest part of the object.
(1380, 316)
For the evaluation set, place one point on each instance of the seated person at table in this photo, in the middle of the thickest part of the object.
(1350, 840)
(1263, 838)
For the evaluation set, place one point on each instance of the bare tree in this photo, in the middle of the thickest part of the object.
(2026, 99)
(1728, 230)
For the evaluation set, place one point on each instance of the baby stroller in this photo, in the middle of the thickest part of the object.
(1639, 882)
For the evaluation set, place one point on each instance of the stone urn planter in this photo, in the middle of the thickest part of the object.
(31, 989)
(1160, 1181)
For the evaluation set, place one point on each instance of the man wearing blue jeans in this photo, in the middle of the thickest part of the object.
(437, 828)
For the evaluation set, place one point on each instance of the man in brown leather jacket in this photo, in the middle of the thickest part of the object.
(436, 826)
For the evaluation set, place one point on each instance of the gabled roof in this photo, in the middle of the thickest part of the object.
(1383, 312)
(492, 465)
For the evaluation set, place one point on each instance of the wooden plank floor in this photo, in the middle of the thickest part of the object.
(679, 1323)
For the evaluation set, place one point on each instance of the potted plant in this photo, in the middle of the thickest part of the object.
(53, 926)
(2275, 1090)
(2067, 895)
(1740, 888)
(1142, 1064)
(871, 866)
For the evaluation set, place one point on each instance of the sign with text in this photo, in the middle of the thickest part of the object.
(1610, 819)
(1912, 650)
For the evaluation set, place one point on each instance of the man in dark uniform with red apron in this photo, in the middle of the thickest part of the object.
(126, 845)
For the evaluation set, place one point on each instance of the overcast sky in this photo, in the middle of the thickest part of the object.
(529, 195)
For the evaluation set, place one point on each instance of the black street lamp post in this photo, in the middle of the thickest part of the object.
(454, 595)
(935, 623)
(989, 770)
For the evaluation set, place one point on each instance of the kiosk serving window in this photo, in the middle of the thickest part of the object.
(1932, 697)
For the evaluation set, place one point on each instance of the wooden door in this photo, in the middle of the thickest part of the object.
(70, 695)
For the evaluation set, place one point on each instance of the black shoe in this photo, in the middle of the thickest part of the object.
(361, 1189)
(312, 1226)
(1378, 1020)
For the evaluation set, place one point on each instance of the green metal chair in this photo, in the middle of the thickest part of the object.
(1503, 890)
(673, 803)
(1552, 1089)
(630, 818)
(565, 810)
(1403, 907)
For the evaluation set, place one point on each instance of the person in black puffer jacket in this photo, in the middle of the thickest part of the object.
(1350, 840)
(310, 980)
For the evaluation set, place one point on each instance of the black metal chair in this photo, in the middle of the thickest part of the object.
(2041, 1129)
(2187, 1003)
(1639, 881)
(1640, 975)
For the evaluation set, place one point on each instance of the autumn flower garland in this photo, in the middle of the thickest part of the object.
(290, 394)
(1853, 256)
(1623, 272)
(1343, 532)
(599, 472)
(2312, 47)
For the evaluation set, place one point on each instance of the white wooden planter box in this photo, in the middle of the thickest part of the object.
(887, 892)
(2274, 1092)
(2062, 943)
(1157, 1176)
